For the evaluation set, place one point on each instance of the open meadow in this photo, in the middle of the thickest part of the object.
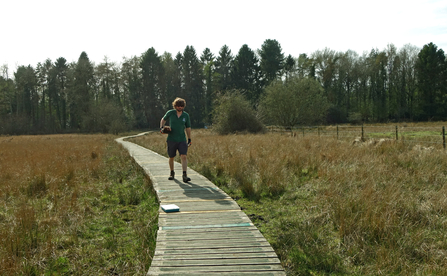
(79, 205)
(73, 205)
(331, 206)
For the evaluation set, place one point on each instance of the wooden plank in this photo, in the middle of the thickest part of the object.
(211, 251)
(190, 193)
(194, 189)
(181, 198)
(184, 197)
(238, 255)
(202, 224)
(205, 230)
(195, 223)
(208, 205)
(205, 226)
(215, 262)
(215, 243)
(227, 273)
(209, 215)
(211, 244)
(205, 237)
(221, 269)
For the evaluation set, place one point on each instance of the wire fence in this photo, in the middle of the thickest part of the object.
(426, 135)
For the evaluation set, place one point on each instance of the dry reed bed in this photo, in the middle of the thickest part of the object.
(58, 195)
(329, 206)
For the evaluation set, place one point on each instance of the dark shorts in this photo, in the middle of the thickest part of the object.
(182, 148)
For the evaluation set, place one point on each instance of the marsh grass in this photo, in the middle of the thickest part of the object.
(73, 205)
(330, 207)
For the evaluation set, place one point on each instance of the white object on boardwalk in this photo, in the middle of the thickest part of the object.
(169, 208)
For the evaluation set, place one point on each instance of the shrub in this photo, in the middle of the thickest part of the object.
(233, 113)
(297, 101)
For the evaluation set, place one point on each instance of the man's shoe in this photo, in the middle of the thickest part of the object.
(185, 178)
(171, 177)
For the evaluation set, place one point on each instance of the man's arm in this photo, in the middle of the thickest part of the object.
(162, 122)
(188, 133)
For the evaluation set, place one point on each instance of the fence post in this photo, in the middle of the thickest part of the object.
(397, 137)
(443, 137)
(362, 131)
(318, 131)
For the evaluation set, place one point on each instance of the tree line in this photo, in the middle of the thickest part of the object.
(328, 87)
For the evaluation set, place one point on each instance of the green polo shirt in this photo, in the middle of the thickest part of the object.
(178, 125)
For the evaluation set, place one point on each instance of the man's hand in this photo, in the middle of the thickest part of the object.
(189, 142)
(165, 130)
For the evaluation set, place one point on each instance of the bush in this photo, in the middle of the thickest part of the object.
(107, 117)
(233, 113)
(296, 101)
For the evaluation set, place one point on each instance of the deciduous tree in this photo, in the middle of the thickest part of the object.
(297, 101)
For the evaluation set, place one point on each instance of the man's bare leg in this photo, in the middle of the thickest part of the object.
(171, 166)
(184, 167)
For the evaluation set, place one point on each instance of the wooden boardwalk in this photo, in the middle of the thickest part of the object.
(210, 234)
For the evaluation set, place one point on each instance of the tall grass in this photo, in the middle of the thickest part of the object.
(73, 204)
(330, 207)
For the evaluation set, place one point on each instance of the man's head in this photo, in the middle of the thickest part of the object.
(178, 102)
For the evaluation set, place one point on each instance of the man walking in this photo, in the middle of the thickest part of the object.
(179, 121)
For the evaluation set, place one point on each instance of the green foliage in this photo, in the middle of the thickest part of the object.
(152, 72)
(192, 86)
(208, 63)
(7, 91)
(107, 117)
(246, 74)
(272, 59)
(233, 113)
(224, 64)
(431, 68)
(297, 101)
(289, 65)
(80, 95)
(382, 85)
(335, 115)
